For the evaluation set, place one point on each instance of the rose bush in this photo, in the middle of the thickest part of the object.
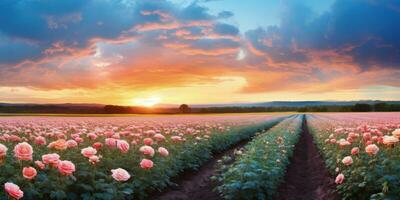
(368, 167)
(73, 158)
(259, 170)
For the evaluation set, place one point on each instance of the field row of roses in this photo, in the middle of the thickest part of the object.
(110, 158)
(260, 168)
(362, 150)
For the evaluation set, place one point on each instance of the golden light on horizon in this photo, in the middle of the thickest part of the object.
(146, 102)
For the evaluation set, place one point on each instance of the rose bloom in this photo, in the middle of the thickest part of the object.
(29, 172)
(40, 140)
(120, 174)
(355, 151)
(13, 190)
(88, 152)
(343, 142)
(372, 149)
(40, 164)
(97, 145)
(347, 160)
(163, 151)
(147, 150)
(367, 136)
(94, 159)
(78, 139)
(23, 151)
(159, 137)
(51, 159)
(72, 143)
(3, 150)
(396, 133)
(66, 167)
(390, 140)
(111, 142)
(339, 179)
(148, 141)
(123, 146)
(91, 136)
(146, 164)
(60, 144)
(176, 138)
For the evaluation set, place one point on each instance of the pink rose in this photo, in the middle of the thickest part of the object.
(396, 133)
(94, 159)
(148, 141)
(147, 150)
(390, 140)
(40, 140)
(29, 172)
(163, 151)
(13, 190)
(347, 160)
(372, 149)
(366, 136)
(40, 164)
(339, 179)
(92, 136)
(66, 167)
(355, 151)
(176, 138)
(78, 139)
(88, 152)
(3, 150)
(97, 145)
(60, 144)
(146, 164)
(159, 137)
(123, 146)
(23, 151)
(120, 174)
(111, 142)
(72, 143)
(51, 159)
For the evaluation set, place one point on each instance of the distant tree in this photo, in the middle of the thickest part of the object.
(361, 107)
(380, 107)
(184, 108)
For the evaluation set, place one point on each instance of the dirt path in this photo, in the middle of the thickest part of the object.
(306, 177)
(196, 185)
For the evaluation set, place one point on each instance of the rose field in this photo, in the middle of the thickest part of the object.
(219, 156)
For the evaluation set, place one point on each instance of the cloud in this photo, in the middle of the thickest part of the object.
(68, 45)
(364, 30)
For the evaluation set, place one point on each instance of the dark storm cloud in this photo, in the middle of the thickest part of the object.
(368, 31)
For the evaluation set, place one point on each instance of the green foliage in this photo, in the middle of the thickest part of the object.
(370, 176)
(95, 181)
(257, 173)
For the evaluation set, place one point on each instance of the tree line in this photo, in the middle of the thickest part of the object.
(184, 108)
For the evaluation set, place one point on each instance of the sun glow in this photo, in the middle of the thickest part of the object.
(146, 102)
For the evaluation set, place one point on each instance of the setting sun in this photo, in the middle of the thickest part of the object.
(146, 102)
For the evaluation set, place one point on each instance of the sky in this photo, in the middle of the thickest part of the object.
(145, 52)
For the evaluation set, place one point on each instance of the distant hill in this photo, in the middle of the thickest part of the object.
(257, 104)
(273, 106)
(295, 103)
(83, 105)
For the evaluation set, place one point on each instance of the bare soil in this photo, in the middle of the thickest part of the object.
(307, 177)
(197, 185)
